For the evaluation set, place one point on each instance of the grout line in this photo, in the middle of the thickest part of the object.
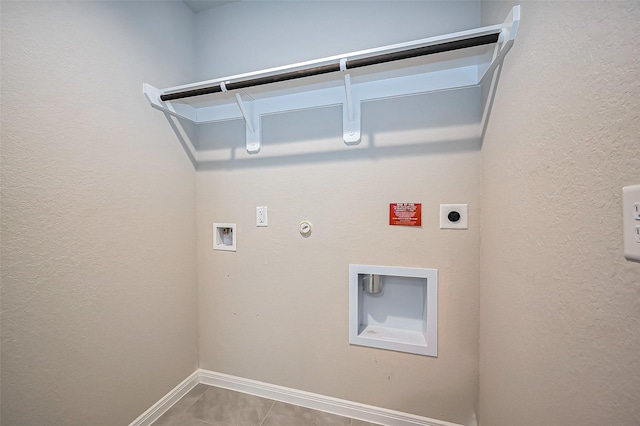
(204, 422)
(273, 402)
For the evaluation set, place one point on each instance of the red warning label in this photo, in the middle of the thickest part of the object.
(405, 214)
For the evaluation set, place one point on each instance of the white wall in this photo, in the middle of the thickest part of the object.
(249, 36)
(98, 205)
(560, 312)
(277, 309)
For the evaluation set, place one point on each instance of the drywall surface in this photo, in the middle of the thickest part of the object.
(560, 307)
(98, 207)
(249, 36)
(276, 310)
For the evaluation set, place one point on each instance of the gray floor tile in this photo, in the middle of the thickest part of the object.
(282, 414)
(210, 406)
(221, 407)
(174, 416)
(355, 422)
(181, 419)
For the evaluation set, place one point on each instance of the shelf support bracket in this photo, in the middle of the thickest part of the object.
(350, 111)
(177, 110)
(505, 42)
(252, 125)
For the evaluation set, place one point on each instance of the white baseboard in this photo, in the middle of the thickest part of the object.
(314, 401)
(160, 407)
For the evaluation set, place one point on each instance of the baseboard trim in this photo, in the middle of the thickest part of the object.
(327, 404)
(167, 401)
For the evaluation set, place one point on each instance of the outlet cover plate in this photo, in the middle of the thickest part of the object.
(261, 216)
(630, 221)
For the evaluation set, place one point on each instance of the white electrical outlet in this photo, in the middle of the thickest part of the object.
(261, 216)
(631, 221)
(454, 216)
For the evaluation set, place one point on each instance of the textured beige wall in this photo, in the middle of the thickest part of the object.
(98, 208)
(560, 307)
(277, 309)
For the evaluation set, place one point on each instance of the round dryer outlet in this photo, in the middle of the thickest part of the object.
(454, 216)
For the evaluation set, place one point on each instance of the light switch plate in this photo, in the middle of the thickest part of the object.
(631, 221)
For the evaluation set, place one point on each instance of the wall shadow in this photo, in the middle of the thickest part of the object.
(418, 125)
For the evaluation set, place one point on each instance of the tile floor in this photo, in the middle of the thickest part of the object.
(207, 405)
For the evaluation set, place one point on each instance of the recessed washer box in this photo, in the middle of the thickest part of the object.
(398, 313)
(224, 236)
